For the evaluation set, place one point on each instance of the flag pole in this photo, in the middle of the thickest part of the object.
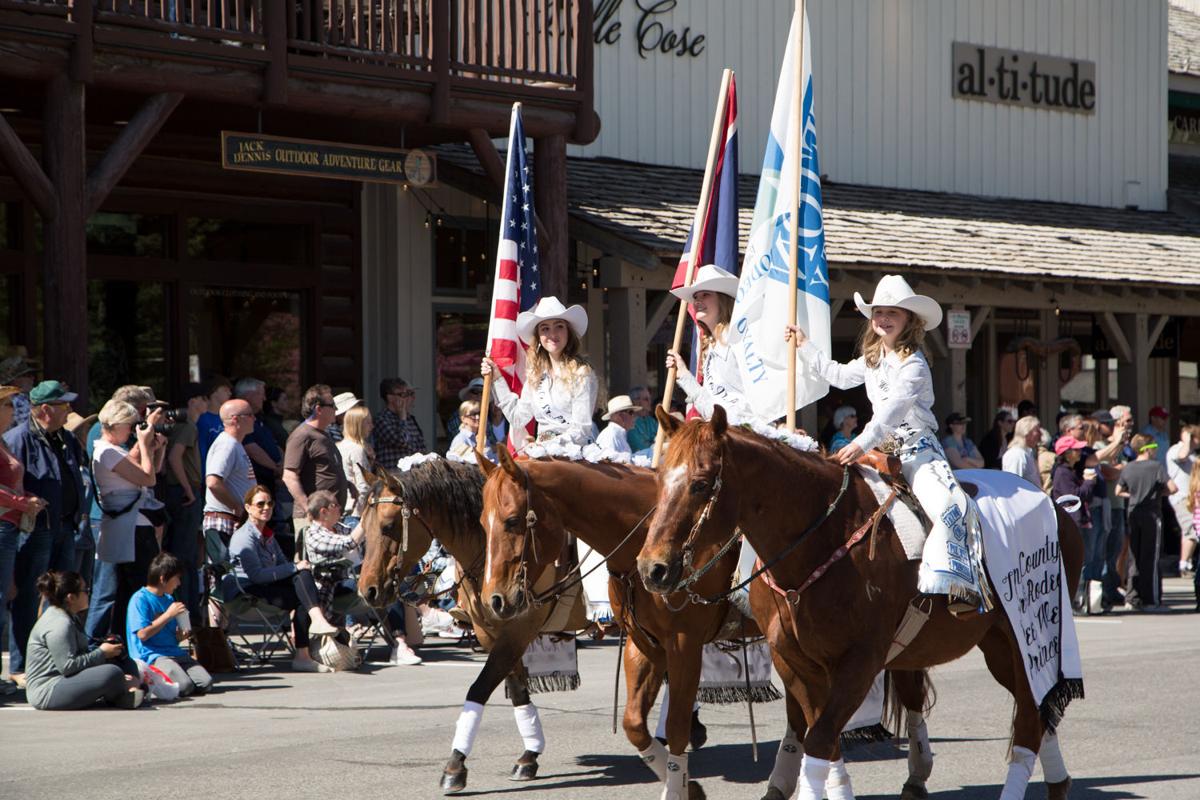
(714, 148)
(797, 127)
(486, 397)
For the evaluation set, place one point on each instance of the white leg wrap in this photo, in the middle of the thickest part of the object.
(1020, 770)
(677, 778)
(837, 785)
(530, 727)
(655, 757)
(468, 725)
(661, 730)
(920, 753)
(813, 774)
(1054, 769)
(787, 764)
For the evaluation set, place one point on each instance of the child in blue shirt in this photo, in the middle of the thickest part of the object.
(152, 623)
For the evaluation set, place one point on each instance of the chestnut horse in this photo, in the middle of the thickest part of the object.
(836, 635)
(607, 506)
(443, 499)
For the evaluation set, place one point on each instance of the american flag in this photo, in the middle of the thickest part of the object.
(517, 285)
(719, 228)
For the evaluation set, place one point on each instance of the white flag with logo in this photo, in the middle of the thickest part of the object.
(761, 308)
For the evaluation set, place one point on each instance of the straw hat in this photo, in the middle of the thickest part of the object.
(894, 291)
(618, 404)
(709, 278)
(551, 308)
(8, 391)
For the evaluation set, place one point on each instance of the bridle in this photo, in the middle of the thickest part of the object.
(407, 512)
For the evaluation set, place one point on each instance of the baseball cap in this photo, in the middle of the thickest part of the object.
(1159, 411)
(1065, 443)
(50, 392)
(1104, 417)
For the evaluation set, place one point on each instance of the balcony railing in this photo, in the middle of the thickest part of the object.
(532, 42)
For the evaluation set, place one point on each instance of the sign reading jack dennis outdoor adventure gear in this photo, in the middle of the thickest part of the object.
(256, 152)
(1033, 80)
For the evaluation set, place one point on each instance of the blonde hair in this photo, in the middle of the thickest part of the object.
(911, 340)
(355, 423)
(717, 334)
(1024, 426)
(468, 407)
(537, 360)
(117, 412)
(1194, 487)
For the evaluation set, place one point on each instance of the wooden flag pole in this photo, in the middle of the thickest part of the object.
(714, 147)
(484, 421)
(794, 223)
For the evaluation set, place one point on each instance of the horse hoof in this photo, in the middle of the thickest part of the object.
(524, 772)
(453, 782)
(699, 734)
(913, 791)
(695, 792)
(1058, 791)
(774, 794)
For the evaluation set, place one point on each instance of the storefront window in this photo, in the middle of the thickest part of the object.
(461, 339)
(462, 257)
(126, 325)
(134, 235)
(248, 241)
(10, 226)
(238, 333)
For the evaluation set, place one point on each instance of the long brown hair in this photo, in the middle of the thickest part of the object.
(537, 360)
(910, 340)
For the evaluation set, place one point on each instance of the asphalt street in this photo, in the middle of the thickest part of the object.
(386, 731)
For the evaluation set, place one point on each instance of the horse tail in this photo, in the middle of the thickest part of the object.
(904, 690)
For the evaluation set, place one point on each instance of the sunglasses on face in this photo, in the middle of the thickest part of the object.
(405, 393)
(263, 503)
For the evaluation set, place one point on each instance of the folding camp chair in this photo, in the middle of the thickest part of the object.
(246, 614)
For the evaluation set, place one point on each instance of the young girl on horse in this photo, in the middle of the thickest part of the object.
(711, 296)
(900, 388)
(560, 388)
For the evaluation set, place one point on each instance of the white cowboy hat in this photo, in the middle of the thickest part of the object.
(893, 290)
(709, 278)
(551, 308)
(344, 402)
(618, 404)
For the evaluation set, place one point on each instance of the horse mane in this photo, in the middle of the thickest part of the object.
(454, 488)
(697, 432)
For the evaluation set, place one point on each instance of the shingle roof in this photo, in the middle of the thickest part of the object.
(1183, 41)
(652, 206)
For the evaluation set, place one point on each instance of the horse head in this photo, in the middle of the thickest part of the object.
(692, 513)
(525, 536)
(387, 557)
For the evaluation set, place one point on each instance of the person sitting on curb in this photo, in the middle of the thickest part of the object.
(154, 630)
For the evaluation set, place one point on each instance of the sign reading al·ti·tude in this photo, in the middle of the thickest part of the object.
(1014, 77)
(256, 152)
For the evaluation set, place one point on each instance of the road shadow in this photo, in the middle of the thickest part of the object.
(1081, 789)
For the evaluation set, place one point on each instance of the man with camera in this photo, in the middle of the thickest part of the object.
(185, 484)
(51, 458)
(1116, 425)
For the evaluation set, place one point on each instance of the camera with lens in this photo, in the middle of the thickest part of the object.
(170, 416)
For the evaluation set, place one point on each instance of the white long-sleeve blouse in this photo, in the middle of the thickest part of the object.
(562, 409)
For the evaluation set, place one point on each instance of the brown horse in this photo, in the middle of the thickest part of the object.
(737, 478)
(442, 500)
(607, 505)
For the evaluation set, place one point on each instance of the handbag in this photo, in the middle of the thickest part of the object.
(213, 650)
(336, 655)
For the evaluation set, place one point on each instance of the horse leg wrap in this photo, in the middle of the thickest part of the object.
(837, 785)
(1020, 770)
(1054, 769)
(530, 727)
(676, 787)
(467, 727)
(920, 753)
(655, 757)
(787, 764)
(813, 774)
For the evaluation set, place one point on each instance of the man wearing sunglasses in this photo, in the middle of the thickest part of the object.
(397, 433)
(311, 460)
(51, 458)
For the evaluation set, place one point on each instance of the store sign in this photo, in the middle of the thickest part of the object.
(1012, 77)
(256, 152)
(1165, 346)
(958, 329)
(652, 31)
(1183, 125)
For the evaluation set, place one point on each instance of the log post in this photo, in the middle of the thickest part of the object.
(440, 107)
(550, 200)
(276, 13)
(64, 253)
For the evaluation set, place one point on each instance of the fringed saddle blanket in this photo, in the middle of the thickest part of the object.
(723, 675)
(553, 665)
(1023, 560)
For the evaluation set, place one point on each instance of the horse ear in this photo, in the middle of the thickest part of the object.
(369, 476)
(668, 423)
(719, 422)
(485, 463)
(506, 462)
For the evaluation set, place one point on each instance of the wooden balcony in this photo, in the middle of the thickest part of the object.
(453, 63)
